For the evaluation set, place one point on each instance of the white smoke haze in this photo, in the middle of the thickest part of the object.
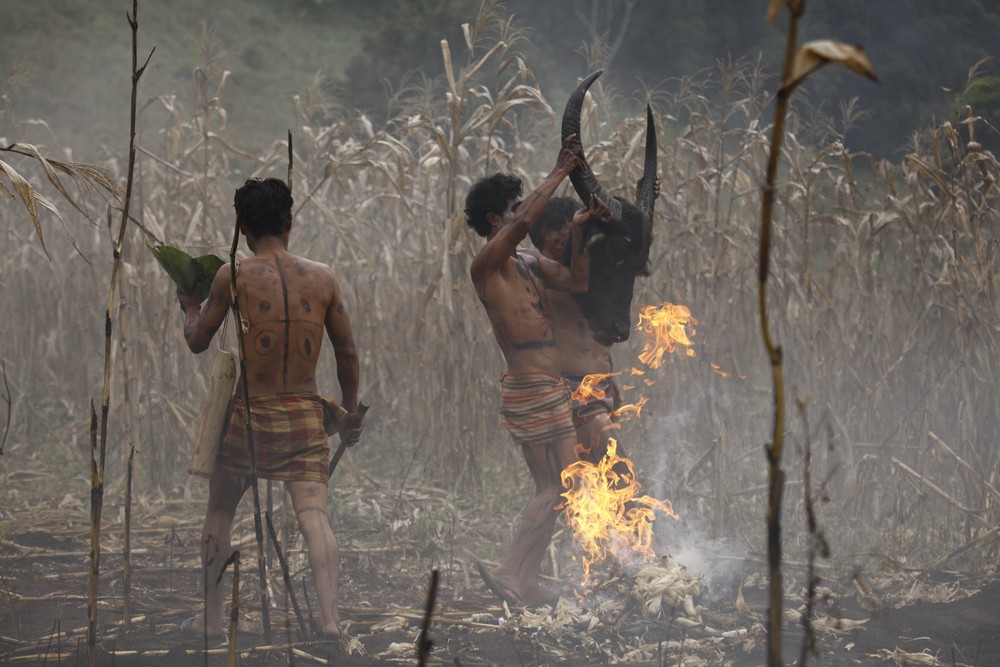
(882, 291)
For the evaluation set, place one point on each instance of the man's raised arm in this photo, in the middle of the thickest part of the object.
(500, 248)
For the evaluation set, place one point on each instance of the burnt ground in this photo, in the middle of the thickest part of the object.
(385, 578)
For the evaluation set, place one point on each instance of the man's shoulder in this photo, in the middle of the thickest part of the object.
(310, 265)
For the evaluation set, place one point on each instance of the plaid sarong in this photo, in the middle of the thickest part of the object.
(288, 436)
(584, 411)
(535, 408)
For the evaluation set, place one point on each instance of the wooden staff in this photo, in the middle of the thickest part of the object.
(359, 415)
(286, 576)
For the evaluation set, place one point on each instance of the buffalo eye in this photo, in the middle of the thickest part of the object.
(620, 263)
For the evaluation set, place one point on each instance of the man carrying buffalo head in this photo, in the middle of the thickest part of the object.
(535, 404)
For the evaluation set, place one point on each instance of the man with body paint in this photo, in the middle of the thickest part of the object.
(286, 302)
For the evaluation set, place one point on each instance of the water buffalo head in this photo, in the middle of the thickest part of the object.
(619, 250)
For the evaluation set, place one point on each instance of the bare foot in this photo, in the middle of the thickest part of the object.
(499, 585)
(539, 595)
(330, 632)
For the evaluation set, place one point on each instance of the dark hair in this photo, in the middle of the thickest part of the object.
(263, 206)
(557, 211)
(490, 195)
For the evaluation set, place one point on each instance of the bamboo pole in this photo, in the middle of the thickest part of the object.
(97, 467)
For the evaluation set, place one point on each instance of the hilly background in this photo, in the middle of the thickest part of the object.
(65, 63)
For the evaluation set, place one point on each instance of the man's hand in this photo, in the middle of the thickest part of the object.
(569, 158)
(189, 301)
(596, 211)
(351, 428)
(656, 188)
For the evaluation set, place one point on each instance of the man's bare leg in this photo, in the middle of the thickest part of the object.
(595, 432)
(224, 494)
(521, 567)
(310, 502)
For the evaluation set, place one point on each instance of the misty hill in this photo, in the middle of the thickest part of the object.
(66, 62)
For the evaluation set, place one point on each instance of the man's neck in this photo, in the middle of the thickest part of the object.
(269, 245)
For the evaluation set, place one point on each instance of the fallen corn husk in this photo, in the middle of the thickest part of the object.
(838, 626)
(397, 650)
(901, 657)
(667, 584)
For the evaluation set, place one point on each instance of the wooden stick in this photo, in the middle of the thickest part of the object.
(127, 549)
(936, 489)
(362, 410)
(989, 487)
(291, 161)
(7, 400)
(286, 577)
(265, 611)
(234, 612)
(425, 643)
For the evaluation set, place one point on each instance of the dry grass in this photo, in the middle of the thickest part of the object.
(884, 294)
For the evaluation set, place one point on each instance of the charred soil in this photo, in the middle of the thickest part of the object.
(887, 618)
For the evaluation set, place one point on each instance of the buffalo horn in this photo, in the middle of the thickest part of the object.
(647, 186)
(583, 179)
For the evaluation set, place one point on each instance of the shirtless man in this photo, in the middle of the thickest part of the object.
(534, 404)
(580, 354)
(286, 301)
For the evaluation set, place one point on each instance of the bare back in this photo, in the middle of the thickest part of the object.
(284, 302)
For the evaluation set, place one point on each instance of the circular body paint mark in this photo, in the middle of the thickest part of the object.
(265, 306)
(307, 346)
(265, 341)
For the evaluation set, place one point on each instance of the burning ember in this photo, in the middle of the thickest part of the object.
(665, 330)
(605, 512)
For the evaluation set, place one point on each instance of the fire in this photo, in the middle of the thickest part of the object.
(630, 410)
(665, 329)
(603, 508)
(605, 512)
(587, 390)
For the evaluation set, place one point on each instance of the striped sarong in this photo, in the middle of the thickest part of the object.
(536, 408)
(289, 438)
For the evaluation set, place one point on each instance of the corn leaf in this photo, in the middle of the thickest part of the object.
(813, 55)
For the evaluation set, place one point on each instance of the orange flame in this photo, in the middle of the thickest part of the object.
(604, 511)
(665, 330)
(587, 391)
(630, 410)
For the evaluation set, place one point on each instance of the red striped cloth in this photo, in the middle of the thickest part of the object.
(288, 436)
(536, 408)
